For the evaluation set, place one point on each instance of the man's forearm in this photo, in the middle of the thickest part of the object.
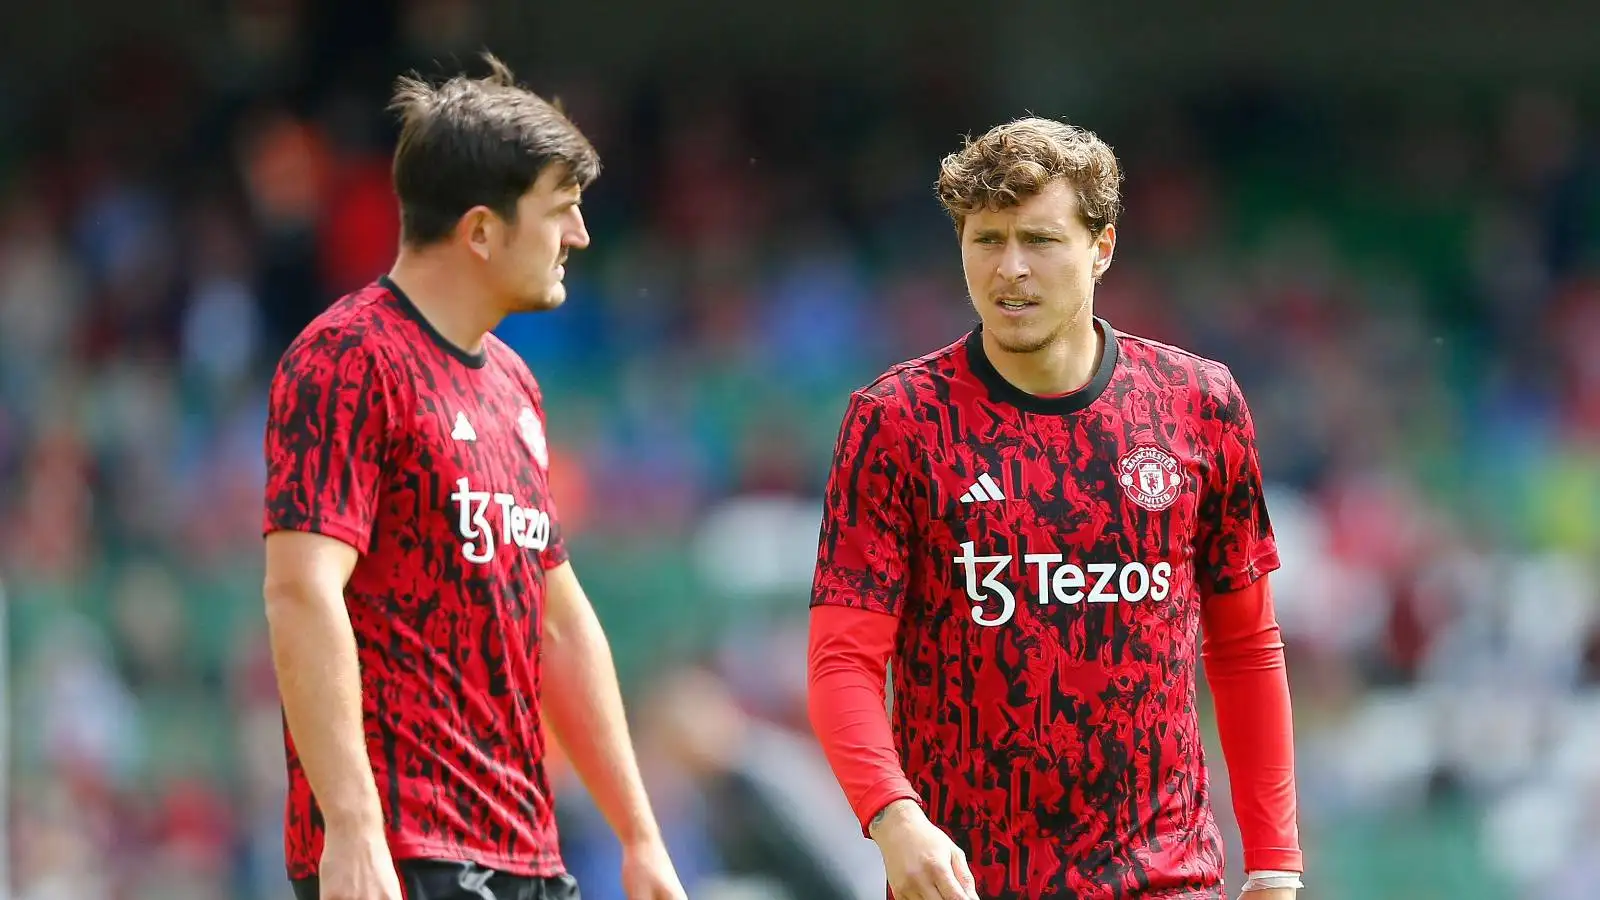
(848, 654)
(1250, 689)
(319, 680)
(583, 706)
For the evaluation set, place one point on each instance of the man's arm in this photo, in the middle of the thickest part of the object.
(325, 449)
(857, 596)
(849, 653)
(1243, 654)
(583, 705)
(847, 659)
(314, 652)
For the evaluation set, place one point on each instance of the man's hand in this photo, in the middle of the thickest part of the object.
(1270, 894)
(647, 873)
(921, 861)
(356, 865)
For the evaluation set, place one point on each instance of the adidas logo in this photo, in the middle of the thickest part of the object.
(463, 430)
(983, 490)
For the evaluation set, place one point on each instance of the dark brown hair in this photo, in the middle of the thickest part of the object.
(477, 142)
(1017, 160)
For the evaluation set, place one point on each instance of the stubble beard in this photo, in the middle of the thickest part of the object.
(545, 301)
(1038, 345)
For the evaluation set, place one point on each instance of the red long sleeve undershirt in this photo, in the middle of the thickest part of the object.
(1243, 652)
(849, 660)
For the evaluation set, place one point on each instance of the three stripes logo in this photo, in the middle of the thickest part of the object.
(983, 490)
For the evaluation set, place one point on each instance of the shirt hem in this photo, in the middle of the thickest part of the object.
(411, 849)
(1232, 582)
(403, 849)
(554, 557)
(333, 528)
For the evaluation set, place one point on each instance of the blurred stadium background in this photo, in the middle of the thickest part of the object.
(1386, 220)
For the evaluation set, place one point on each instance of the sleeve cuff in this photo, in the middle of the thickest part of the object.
(335, 528)
(1279, 859)
(554, 556)
(889, 792)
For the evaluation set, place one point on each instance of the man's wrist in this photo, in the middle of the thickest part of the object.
(640, 835)
(894, 813)
(356, 818)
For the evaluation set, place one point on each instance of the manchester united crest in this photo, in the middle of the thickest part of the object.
(533, 435)
(1151, 477)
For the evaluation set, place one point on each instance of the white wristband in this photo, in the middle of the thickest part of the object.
(1270, 879)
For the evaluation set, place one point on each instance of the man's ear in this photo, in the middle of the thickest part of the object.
(478, 230)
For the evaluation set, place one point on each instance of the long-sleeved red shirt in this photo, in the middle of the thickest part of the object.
(1244, 663)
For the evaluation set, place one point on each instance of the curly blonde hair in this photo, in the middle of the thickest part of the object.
(1017, 160)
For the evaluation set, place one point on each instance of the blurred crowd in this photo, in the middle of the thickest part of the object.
(1408, 289)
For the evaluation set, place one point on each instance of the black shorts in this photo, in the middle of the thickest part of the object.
(428, 879)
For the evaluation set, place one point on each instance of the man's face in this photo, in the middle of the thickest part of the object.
(1031, 268)
(531, 265)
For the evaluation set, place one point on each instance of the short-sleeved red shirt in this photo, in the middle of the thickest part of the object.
(1047, 560)
(432, 462)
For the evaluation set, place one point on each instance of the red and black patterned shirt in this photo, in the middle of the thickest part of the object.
(431, 462)
(1046, 559)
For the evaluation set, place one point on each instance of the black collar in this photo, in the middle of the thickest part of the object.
(472, 360)
(1005, 391)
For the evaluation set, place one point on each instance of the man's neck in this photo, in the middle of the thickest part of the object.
(1066, 365)
(461, 314)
